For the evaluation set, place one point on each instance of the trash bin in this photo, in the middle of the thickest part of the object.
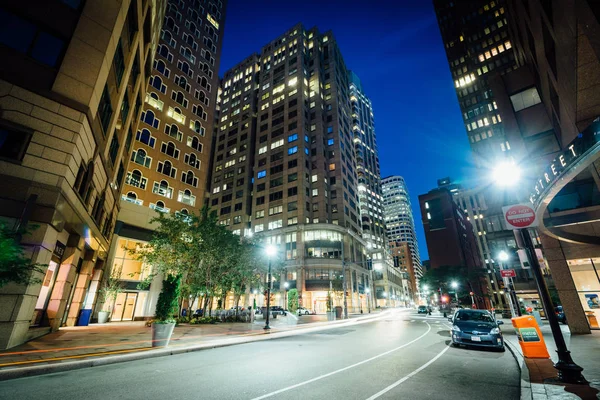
(84, 317)
(338, 312)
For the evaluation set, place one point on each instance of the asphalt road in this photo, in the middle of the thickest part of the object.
(401, 356)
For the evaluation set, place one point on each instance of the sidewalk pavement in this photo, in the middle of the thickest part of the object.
(538, 375)
(101, 341)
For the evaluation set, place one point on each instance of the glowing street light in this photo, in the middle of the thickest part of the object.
(503, 256)
(506, 174)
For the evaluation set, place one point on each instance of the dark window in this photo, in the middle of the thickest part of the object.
(105, 109)
(292, 191)
(27, 38)
(120, 174)
(114, 148)
(237, 207)
(293, 163)
(260, 187)
(119, 62)
(276, 169)
(260, 200)
(276, 196)
(276, 182)
(125, 107)
(13, 143)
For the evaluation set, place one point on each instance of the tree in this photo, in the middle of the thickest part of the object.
(292, 304)
(14, 265)
(111, 288)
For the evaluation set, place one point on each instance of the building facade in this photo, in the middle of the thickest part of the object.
(285, 167)
(399, 220)
(558, 44)
(367, 166)
(171, 148)
(451, 241)
(403, 259)
(70, 100)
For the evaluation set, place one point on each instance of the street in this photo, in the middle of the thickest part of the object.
(400, 355)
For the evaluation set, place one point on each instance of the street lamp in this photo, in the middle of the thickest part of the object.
(286, 285)
(509, 283)
(270, 250)
(454, 286)
(508, 174)
(368, 291)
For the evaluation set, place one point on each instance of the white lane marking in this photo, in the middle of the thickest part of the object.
(407, 377)
(285, 389)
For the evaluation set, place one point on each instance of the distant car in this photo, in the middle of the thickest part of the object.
(560, 314)
(257, 311)
(278, 310)
(304, 311)
(422, 310)
(476, 328)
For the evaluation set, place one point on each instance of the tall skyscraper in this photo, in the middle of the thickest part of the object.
(170, 150)
(399, 220)
(477, 41)
(72, 82)
(367, 165)
(479, 48)
(285, 167)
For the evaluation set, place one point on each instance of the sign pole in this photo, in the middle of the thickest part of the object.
(568, 371)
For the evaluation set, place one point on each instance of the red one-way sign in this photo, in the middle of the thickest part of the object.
(519, 216)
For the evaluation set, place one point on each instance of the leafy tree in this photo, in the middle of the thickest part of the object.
(166, 305)
(111, 289)
(14, 265)
(292, 301)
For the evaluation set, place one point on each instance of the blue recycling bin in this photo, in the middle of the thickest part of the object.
(84, 317)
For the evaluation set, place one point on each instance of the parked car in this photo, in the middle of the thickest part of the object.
(278, 310)
(304, 311)
(257, 311)
(560, 314)
(476, 328)
(422, 310)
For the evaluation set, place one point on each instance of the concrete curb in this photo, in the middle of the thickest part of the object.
(526, 390)
(22, 372)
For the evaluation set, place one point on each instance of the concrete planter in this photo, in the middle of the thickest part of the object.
(330, 315)
(103, 317)
(161, 334)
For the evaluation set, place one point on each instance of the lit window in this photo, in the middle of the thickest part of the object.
(262, 150)
(262, 174)
(292, 150)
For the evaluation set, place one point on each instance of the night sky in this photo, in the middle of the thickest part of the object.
(396, 49)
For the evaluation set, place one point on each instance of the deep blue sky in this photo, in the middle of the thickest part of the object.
(396, 49)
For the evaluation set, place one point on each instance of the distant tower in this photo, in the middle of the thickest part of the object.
(399, 219)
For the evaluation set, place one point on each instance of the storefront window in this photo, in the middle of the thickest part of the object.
(132, 269)
(585, 275)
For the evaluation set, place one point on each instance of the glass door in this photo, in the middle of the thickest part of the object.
(124, 308)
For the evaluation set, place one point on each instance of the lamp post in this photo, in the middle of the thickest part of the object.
(286, 285)
(270, 250)
(454, 286)
(508, 283)
(368, 291)
(508, 174)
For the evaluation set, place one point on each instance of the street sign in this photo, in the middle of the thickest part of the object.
(519, 216)
(508, 273)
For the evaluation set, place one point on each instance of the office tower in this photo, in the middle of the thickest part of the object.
(479, 47)
(478, 44)
(235, 137)
(289, 150)
(403, 259)
(170, 150)
(399, 220)
(73, 81)
(367, 165)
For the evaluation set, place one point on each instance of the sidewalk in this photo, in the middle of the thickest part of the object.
(101, 340)
(537, 375)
